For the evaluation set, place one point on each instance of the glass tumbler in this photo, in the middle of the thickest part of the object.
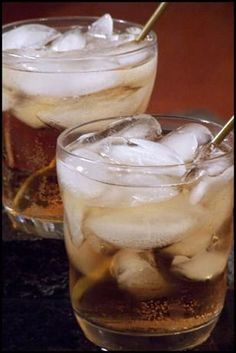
(147, 272)
(44, 94)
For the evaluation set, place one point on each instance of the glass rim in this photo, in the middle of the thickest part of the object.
(67, 131)
(13, 54)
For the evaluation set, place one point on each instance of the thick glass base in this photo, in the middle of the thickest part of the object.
(43, 228)
(119, 341)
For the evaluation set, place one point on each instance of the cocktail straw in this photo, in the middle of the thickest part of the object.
(148, 26)
(223, 132)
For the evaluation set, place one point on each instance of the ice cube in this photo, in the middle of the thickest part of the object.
(54, 111)
(84, 152)
(115, 46)
(72, 174)
(142, 126)
(134, 30)
(71, 246)
(185, 140)
(145, 227)
(99, 44)
(83, 257)
(102, 27)
(75, 80)
(184, 144)
(222, 239)
(88, 259)
(138, 55)
(125, 189)
(123, 38)
(136, 273)
(155, 191)
(191, 245)
(213, 160)
(204, 266)
(70, 40)
(140, 152)
(179, 259)
(28, 109)
(147, 187)
(111, 44)
(8, 99)
(210, 184)
(199, 191)
(28, 36)
(134, 196)
(99, 141)
(215, 199)
(71, 82)
(217, 166)
(74, 215)
(100, 246)
(201, 132)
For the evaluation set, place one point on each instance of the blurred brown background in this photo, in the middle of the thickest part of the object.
(196, 58)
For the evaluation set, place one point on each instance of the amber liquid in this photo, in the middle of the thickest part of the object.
(25, 152)
(192, 304)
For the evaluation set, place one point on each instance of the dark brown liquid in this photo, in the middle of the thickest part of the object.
(26, 151)
(192, 304)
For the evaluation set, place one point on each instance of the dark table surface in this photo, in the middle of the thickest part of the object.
(36, 310)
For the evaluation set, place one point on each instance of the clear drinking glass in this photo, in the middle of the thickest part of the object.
(43, 95)
(147, 272)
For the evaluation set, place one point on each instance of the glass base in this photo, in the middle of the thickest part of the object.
(43, 228)
(119, 341)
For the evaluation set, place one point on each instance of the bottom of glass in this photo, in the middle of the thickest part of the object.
(43, 228)
(119, 341)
